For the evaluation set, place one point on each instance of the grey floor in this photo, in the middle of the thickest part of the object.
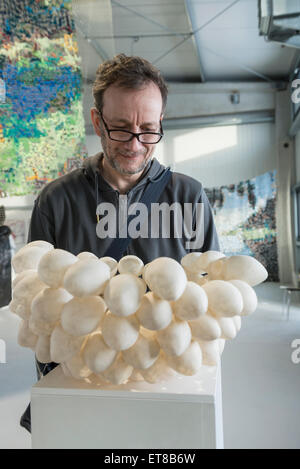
(261, 385)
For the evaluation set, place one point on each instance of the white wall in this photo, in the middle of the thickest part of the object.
(220, 155)
(298, 157)
(93, 144)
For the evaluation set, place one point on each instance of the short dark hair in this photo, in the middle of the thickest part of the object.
(128, 72)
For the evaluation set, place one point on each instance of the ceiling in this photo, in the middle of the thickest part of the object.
(226, 44)
(190, 41)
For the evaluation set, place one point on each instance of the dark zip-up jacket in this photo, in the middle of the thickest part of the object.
(64, 213)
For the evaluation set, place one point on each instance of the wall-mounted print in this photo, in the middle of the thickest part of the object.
(245, 219)
(41, 120)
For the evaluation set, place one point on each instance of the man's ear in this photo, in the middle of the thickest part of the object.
(95, 117)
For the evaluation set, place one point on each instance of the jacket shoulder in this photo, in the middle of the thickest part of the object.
(56, 191)
(186, 186)
(62, 183)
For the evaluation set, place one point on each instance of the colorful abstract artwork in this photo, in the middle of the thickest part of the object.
(41, 120)
(245, 219)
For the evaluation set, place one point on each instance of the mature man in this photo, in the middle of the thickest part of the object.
(73, 211)
(130, 99)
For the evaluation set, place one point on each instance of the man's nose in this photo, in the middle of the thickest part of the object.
(134, 144)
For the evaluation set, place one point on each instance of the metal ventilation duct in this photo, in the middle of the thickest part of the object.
(279, 21)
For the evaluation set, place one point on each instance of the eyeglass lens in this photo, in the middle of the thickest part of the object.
(126, 136)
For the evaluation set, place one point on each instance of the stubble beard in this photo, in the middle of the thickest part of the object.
(113, 162)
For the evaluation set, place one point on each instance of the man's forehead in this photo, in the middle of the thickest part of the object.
(149, 94)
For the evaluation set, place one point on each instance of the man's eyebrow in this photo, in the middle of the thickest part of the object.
(125, 121)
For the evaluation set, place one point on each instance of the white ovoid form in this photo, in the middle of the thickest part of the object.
(244, 268)
(87, 277)
(112, 264)
(131, 265)
(46, 309)
(82, 316)
(30, 255)
(143, 353)
(192, 304)
(154, 313)
(97, 355)
(64, 346)
(120, 333)
(42, 349)
(166, 278)
(123, 294)
(24, 293)
(53, 265)
(96, 318)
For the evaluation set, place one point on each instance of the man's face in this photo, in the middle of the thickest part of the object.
(135, 110)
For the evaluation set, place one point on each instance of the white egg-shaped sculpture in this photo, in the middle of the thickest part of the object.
(86, 255)
(188, 262)
(97, 355)
(143, 353)
(25, 291)
(119, 372)
(28, 287)
(192, 304)
(166, 278)
(120, 333)
(40, 244)
(203, 262)
(47, 305)
(215, 269)
(77, 367)
(136, 376)
(123, 294)
(175, 338)
(53, 265)
(20, 308)
(20, 276)
(199, 279)
(159, 371)
(112, 264)
(66, 370)
(82, 316)
(237, 322)
(42, 349)
(154, 313)
(221, 343)
(40, 327)
(149, 334)
(224, 299)
(131, 265)
(228, 328)
(64, 346)
(205, 328)
(245, 268)
(249, 296)
(26, 338)
(29, 257)
(87, 278)
(210, 352)
(190, 362)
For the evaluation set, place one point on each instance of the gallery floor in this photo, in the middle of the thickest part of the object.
(261, 384)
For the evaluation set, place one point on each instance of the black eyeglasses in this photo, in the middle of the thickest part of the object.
(127, 136)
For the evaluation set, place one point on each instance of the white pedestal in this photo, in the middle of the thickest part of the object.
(181, 413)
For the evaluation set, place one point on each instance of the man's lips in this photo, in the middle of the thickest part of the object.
(131, 156)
